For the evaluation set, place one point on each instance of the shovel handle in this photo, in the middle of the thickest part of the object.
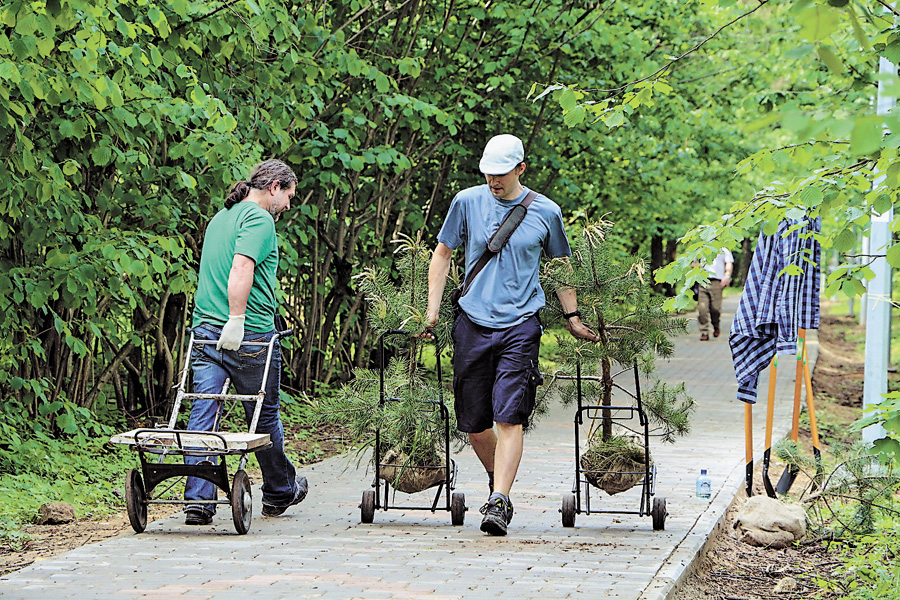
(813, 426)
(748, 445)
(798, 385)
(770, 418)
(810, 401)
(770, 406)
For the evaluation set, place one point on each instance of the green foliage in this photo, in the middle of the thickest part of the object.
(407, 411)
(670, 407)
(614, 295)
(85, 472)
(828, 155)
(126, 124)
(870, 566)
(851, 497)
(662, 119)
(887, 415)
(403, 308)
(409, 420)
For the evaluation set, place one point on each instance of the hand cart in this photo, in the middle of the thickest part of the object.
(579, 501)
(455, 502)
(168, 441)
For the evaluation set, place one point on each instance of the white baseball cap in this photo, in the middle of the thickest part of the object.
(501, 155)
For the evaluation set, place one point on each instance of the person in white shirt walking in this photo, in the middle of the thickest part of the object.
(709, 301)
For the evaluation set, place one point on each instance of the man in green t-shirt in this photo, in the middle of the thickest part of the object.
(235, 303)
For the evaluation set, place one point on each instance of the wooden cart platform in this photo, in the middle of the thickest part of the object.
(179, 439)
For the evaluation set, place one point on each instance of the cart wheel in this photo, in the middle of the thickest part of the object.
(659, 514)
(568, 510)
(241, 502)
(367, 507)
(136, 500)
(458, 508)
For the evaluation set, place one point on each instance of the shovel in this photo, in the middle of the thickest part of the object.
(790, 472)
(770, 416)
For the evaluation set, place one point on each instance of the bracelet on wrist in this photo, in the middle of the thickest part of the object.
(574, 313)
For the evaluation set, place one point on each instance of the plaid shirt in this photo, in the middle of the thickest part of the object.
(774, 304)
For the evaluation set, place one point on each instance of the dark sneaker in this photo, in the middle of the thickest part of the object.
(716, 332)
(498, 512)
(704, 337)
(197, 517)
(270, 510)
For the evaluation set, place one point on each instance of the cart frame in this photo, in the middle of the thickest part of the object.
(455, 502)
(578, 502)
(168, 441)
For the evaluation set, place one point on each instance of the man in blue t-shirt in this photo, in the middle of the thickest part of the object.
(497, 334)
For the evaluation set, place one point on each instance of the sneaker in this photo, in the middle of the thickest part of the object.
(704, 337)
(194, 516)
(270, 510)
(498, 512)
(716, 332)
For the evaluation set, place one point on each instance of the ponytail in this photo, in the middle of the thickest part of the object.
(238, 192)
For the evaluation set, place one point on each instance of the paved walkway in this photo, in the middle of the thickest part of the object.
(321, 550)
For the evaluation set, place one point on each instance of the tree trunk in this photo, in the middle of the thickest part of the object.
(657, 260)
(746, 256)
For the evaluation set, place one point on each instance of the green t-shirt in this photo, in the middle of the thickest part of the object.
(248, 229)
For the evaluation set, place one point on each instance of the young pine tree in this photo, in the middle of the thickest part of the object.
(615, 299)
(412, 428)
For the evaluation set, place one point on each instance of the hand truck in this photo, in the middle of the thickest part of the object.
(579, 501)
(455, 502)
(167, 441)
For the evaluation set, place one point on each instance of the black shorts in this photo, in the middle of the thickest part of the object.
(495, 373)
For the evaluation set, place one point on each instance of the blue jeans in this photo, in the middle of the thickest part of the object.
(245, 367)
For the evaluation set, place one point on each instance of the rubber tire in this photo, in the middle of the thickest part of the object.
(136, 500)
(241, 502)
(458, 508)
(367, 507)
(659, 514)
(568, 510)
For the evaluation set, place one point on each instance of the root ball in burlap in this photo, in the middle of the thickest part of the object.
(614, 465)
(408, 478)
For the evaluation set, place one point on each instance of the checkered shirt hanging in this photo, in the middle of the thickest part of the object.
(774, 303)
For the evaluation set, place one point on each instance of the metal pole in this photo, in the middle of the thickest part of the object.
(864, 299)
(878, 290)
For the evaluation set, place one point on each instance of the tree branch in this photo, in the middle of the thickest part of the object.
(888, 7)
(672, 62)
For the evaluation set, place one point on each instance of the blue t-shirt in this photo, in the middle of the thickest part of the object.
(507, 291)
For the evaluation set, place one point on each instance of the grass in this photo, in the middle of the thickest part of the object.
(87, 473)
(858, 334)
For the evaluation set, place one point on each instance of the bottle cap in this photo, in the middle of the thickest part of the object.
(703, 471)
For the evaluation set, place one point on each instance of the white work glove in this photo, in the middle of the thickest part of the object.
(232, 333)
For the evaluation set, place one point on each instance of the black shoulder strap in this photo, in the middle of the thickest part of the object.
(512, 220)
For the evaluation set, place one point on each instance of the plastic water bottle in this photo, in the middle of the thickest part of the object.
(704, 485)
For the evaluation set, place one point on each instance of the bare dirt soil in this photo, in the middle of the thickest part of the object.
(733, 570)
(311, 445)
